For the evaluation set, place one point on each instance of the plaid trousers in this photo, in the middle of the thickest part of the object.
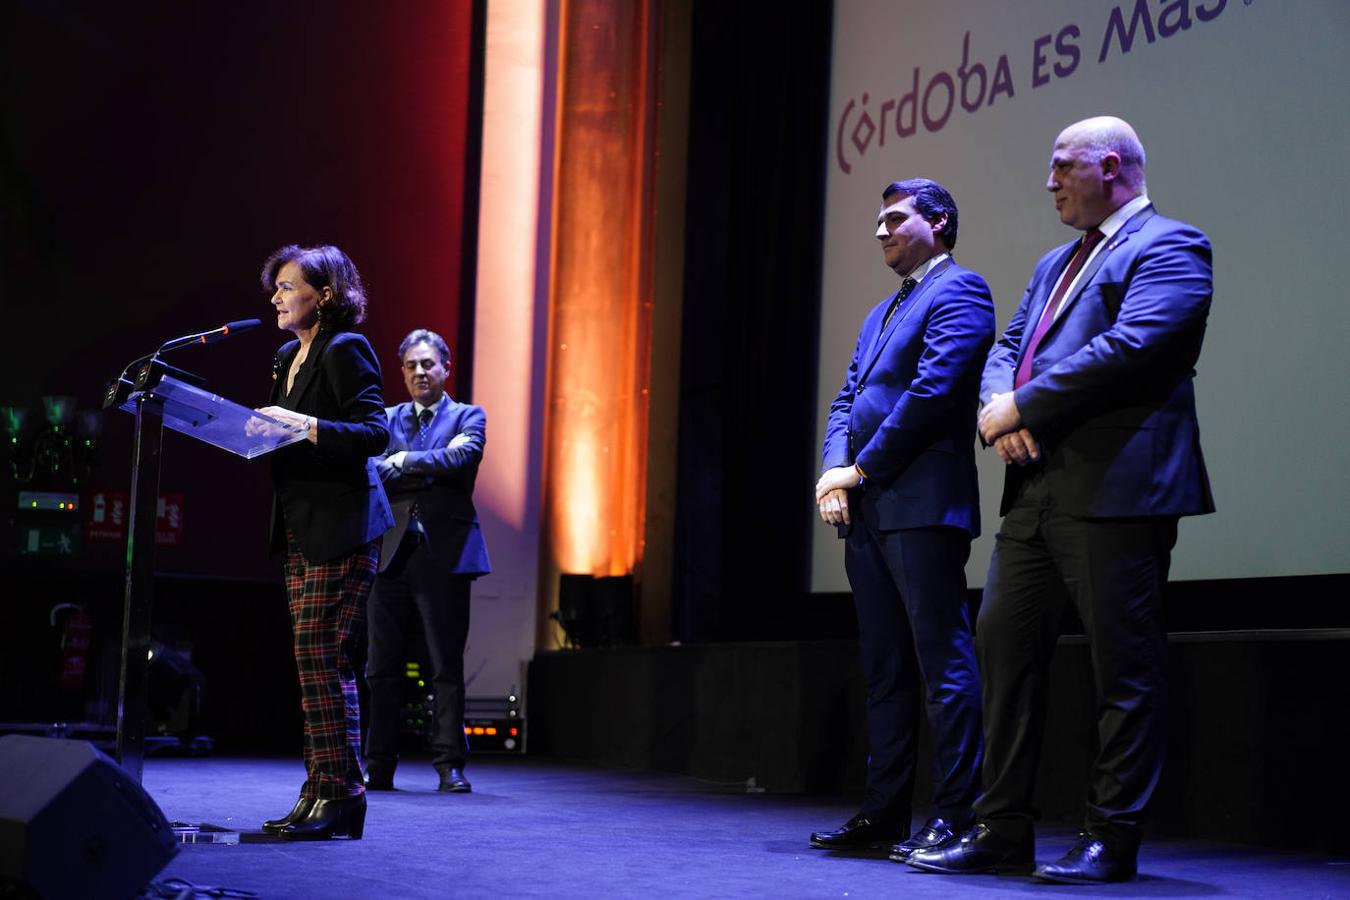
(326, 602)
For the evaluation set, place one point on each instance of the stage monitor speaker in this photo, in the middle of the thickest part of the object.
(596, 611)
(74, 824)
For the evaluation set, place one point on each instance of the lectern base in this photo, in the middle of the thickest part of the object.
(203, 833)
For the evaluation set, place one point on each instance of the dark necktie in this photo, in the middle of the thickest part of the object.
(423, 428)
(419, 443)
(906, 288)
(1023, 374)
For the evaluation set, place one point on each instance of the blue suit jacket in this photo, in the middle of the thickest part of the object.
(906, 412)
(440, 479)
(1111, 398)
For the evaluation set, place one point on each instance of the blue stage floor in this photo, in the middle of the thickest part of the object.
(541, 828)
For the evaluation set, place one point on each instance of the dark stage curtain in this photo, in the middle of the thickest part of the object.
(759, 101)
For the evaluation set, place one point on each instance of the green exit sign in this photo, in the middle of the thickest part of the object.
(49, 540)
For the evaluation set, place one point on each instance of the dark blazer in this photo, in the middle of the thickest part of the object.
(906, 412)
(440, 480)
(1111, 398)
(328, 493)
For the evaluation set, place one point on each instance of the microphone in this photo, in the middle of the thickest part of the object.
(210, 337)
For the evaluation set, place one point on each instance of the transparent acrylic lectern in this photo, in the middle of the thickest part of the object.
(160, 396)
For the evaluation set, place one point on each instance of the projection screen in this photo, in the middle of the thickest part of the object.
(1243, 108)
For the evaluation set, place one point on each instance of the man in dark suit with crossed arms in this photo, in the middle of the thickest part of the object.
(428, 561)
(900, 480)
(1089, 399)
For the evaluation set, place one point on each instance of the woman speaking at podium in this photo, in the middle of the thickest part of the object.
(328, 514)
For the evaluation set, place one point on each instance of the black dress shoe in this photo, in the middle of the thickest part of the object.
(1089, 861)
(977, 852)
(454, 782)
(328, 819)
(857, 833)
(935, 833)
(274, 826)
(379, 781)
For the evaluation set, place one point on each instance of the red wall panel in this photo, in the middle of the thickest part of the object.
(153, 155)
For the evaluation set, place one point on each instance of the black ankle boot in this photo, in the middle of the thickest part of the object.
(329, 818)
(274, 826)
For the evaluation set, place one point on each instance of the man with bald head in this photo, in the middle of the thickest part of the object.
(1089, 399)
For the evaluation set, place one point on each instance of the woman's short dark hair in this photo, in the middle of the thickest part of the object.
(931, 200)
(324, 267)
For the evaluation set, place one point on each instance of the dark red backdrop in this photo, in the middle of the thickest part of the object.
(152, 156)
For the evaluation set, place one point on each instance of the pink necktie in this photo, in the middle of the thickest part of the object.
(1023, 374)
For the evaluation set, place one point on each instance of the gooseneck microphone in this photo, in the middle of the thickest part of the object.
(124, 384)
(210, 337)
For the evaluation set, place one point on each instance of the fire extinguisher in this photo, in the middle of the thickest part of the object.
(76, 638)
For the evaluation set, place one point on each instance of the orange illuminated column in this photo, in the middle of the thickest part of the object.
(600, 297)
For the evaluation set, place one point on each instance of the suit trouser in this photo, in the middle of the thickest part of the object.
(909, 588)
(1113, 571)
(325, 602)
(415, 584)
